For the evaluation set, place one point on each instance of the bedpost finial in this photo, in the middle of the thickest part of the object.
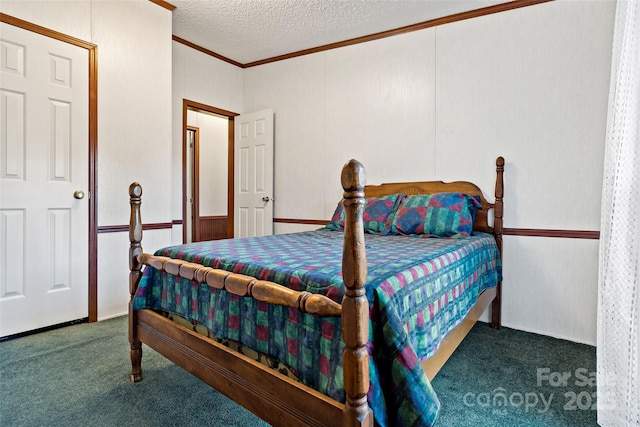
(135, 190)
(353, 176)
(500, 161)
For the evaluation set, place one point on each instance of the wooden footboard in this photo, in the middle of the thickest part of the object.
(273, 397)
(270, 395)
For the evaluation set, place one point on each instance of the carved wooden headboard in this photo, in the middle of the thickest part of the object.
(430, 187)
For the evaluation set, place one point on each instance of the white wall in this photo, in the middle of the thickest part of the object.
(371, 101)
(134, 118)
(533, 85)
(206, 80)
(529, 84)
(213, 162)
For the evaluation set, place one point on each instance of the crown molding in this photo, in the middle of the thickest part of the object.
(489, 10)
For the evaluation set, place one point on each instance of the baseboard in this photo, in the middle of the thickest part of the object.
(557, 336)
(45, 329)
(112, 316)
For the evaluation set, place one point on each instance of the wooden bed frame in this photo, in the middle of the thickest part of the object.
(270, 395)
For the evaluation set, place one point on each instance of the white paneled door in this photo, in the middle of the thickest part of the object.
(253, 174)
(44, 208)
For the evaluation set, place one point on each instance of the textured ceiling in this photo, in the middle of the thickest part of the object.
(251, 30)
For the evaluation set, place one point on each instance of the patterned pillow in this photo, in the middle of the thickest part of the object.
(376, 215)
(440, 214)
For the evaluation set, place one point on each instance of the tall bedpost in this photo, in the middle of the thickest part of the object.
(496, 306)
(135, 273)
(355, 307)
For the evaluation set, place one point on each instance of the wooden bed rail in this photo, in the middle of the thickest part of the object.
(245, 286)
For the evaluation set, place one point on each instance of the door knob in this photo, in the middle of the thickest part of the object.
(266, 199)
(78, 194)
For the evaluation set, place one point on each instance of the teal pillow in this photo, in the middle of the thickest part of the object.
(376, 216)
(439, 214)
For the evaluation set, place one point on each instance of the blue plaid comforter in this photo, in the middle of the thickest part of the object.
(419, 289)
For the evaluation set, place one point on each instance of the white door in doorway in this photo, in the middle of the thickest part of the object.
(44, 209)
(253, 174)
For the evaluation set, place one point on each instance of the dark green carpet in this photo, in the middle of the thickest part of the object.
(513, 378)
(78, 376)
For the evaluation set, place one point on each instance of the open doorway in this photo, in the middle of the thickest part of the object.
(207, 153)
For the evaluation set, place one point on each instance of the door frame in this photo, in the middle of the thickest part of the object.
(195, 184)
(230, 115)
(92, 51)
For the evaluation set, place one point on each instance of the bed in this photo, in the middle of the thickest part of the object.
(363, 312)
